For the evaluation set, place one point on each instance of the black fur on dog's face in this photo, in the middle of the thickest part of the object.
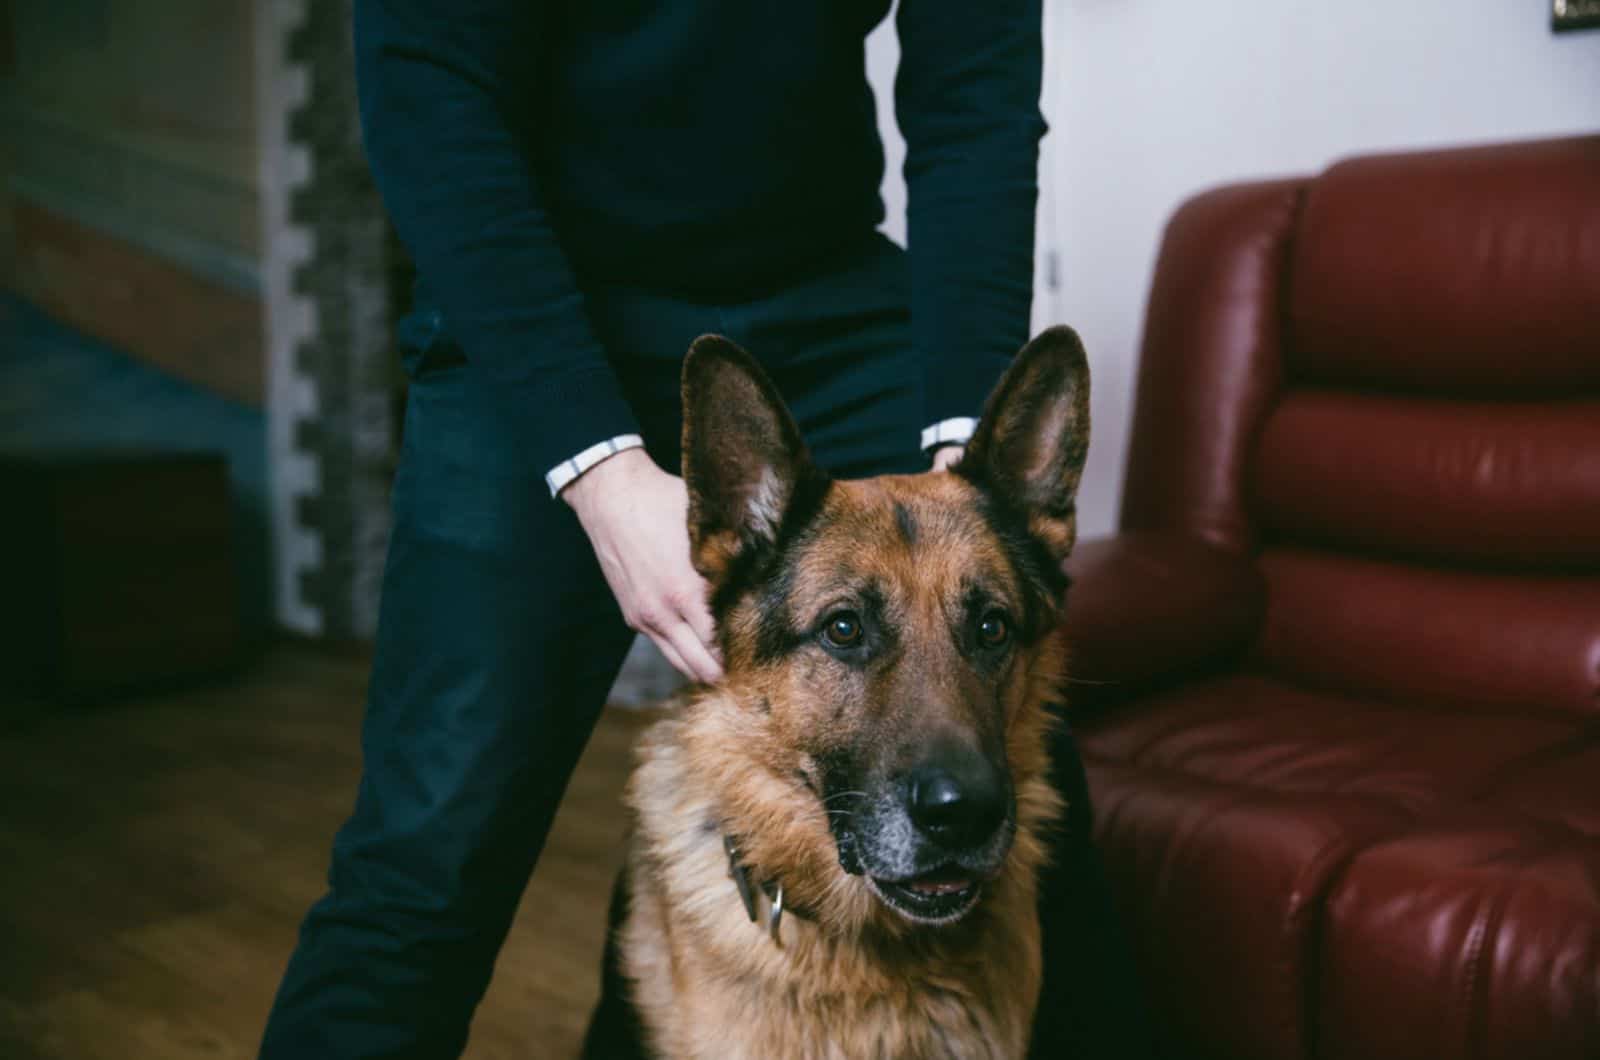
(889, 628)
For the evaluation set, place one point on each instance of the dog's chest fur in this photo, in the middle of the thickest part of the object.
(710, 984)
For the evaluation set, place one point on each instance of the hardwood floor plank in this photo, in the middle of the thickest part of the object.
(158, 856)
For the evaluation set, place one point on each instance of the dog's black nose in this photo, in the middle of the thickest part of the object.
(957, 805)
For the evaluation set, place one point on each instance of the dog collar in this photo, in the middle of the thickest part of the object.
(747, 891)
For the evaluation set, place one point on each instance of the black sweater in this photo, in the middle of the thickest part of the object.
(713, 149)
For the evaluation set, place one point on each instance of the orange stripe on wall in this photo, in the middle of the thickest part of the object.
(165, 315)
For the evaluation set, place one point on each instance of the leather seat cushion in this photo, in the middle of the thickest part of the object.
(1231, 811)
(1477, 936)
(1258, 731)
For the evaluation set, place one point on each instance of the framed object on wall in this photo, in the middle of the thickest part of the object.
(1574, 14)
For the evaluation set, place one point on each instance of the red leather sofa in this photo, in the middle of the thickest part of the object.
(1339, 671)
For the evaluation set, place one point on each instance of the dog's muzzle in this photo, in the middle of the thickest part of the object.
(928, 844)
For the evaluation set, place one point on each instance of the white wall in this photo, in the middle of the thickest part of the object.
(1151, 101)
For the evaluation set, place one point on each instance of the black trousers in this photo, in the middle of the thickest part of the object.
(498, 640)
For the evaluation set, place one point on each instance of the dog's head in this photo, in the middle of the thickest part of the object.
(889, 643)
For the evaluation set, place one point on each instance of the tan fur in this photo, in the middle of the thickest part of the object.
(852, 980)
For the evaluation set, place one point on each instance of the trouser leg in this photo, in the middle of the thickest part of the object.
(1092, 1002)
(497, 642)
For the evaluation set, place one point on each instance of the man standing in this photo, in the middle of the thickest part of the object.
(585, 186)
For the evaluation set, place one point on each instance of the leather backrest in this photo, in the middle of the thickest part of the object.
(1386, 381)
(1427, 485)
(1468, 273)
(1500, 484)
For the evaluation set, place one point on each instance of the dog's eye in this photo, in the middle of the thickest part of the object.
(843, 629)
(994, 629)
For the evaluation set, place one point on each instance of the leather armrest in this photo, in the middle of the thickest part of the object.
(1149, 606)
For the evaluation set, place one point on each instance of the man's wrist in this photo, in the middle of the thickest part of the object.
(574, 467)
(591, 494)
(956, 430)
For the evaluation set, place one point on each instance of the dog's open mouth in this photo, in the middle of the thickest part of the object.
(942, 896)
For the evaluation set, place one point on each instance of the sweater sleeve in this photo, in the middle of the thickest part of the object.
(444, 88)
(967, 99)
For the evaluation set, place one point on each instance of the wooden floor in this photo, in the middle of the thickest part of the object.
(156, 857)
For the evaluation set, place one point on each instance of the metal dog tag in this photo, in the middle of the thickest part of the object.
(776, 916)
(741, 878)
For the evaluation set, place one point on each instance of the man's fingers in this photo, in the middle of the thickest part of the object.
(670, 653)
(698, 615)
(701, 666)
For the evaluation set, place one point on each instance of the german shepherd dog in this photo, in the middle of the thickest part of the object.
(869, 781)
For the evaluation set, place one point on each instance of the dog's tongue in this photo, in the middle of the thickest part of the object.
(941, 881)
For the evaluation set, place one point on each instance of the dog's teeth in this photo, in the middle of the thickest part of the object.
(940, 886)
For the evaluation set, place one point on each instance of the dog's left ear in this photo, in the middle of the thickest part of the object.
(743, 459)
(1028, 449)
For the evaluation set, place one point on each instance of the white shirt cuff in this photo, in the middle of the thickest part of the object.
(954, 431)
(562, 475)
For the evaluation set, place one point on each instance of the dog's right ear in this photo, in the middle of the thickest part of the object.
(744, 462)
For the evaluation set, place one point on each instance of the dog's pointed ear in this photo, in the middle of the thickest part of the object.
(1029, 447)
(744, 462)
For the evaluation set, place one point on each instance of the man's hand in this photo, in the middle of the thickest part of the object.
(636, 516)
(946, 455)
